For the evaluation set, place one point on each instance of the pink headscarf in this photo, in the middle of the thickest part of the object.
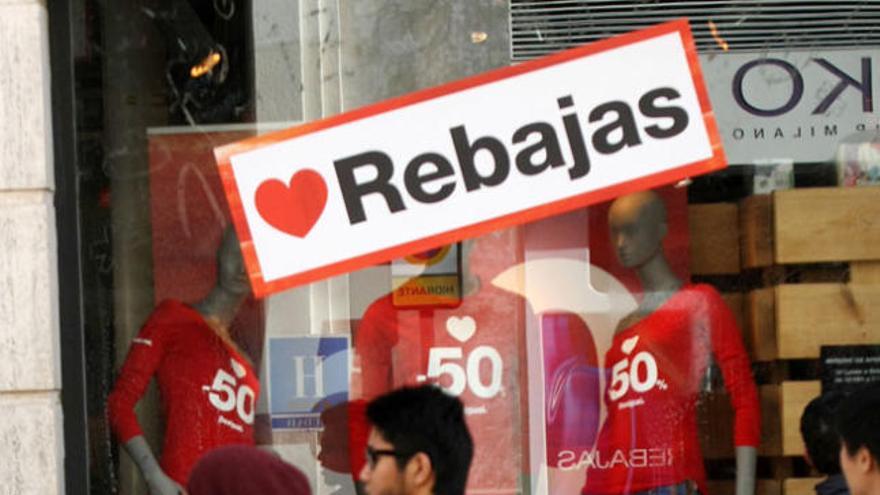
(241, 469)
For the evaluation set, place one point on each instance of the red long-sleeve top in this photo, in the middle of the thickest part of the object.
(654, 369)
(476, 351)
(208, 390)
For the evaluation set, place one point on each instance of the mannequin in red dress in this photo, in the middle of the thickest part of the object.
(473, 350)
(207, 384)
(660, 352)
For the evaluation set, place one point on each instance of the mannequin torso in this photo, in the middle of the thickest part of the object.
(208, 386)
(658, 356)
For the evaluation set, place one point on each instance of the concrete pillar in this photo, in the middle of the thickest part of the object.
(31, 436)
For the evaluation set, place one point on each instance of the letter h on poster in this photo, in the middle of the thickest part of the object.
(306, 376)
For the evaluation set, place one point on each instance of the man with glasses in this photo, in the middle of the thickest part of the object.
(858, 423)
(419, 444)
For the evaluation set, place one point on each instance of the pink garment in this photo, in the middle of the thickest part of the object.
(245, 470)
(571, 386)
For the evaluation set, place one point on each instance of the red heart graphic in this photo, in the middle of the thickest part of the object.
(293, 209)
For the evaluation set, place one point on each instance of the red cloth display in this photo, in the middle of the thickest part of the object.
(208, 390)
(654, 370)
(482, 336)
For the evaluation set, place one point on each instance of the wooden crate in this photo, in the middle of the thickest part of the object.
(800, 486)
(759, 333)
(728, 487)
(714, 239)
(793, 321)
(756, 232)
(781, 409)
(794, 397)
(788, 486)
(716, 424)
(864, 272)
(736, 301)
(811, 225)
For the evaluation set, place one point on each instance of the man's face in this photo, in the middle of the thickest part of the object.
(384, 477)
(857, 469)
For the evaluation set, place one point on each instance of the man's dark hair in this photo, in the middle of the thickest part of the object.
(819, 431)
(426, 419)
(858, 421)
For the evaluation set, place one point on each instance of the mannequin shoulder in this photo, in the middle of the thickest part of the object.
(171, 313)
(702, 291)
(630, 320)
(704, 299)
(380, 312)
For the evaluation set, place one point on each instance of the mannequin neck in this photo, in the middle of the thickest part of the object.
(220, 306)
(657, 276)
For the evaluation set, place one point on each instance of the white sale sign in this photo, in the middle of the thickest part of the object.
(505, 147)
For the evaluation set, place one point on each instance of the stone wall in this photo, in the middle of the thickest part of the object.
(31, 436)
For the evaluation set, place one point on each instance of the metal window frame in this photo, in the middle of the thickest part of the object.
(542, 27)
(70, 295)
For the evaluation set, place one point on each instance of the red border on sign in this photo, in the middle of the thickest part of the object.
(262, 288)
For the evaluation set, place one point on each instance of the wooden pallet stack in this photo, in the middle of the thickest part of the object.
(808, 268)
(819, 250)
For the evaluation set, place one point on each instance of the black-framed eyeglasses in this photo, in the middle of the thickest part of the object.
(373, 455)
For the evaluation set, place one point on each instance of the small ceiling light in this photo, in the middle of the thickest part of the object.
(713, 29)
(205, 65)
(479, 37)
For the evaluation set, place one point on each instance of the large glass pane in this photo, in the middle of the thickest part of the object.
(666, 341)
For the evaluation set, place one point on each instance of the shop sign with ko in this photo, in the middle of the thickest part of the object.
(502, 148)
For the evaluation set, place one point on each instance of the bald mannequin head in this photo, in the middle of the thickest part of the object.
(638, 226)
(232, 287)
(231, 273)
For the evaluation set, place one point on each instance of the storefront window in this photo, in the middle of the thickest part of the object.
(669, 337)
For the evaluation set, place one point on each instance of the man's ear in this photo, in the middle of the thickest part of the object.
(864, 460)
(420, 470)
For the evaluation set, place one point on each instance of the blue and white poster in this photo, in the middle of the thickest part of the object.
(306, 376)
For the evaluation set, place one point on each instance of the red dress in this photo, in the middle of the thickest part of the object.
(208, 390)
(475, 351)
(649, 438)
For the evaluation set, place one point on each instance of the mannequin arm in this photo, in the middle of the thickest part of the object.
(158, 482)
(732, 358)
(746, 459)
